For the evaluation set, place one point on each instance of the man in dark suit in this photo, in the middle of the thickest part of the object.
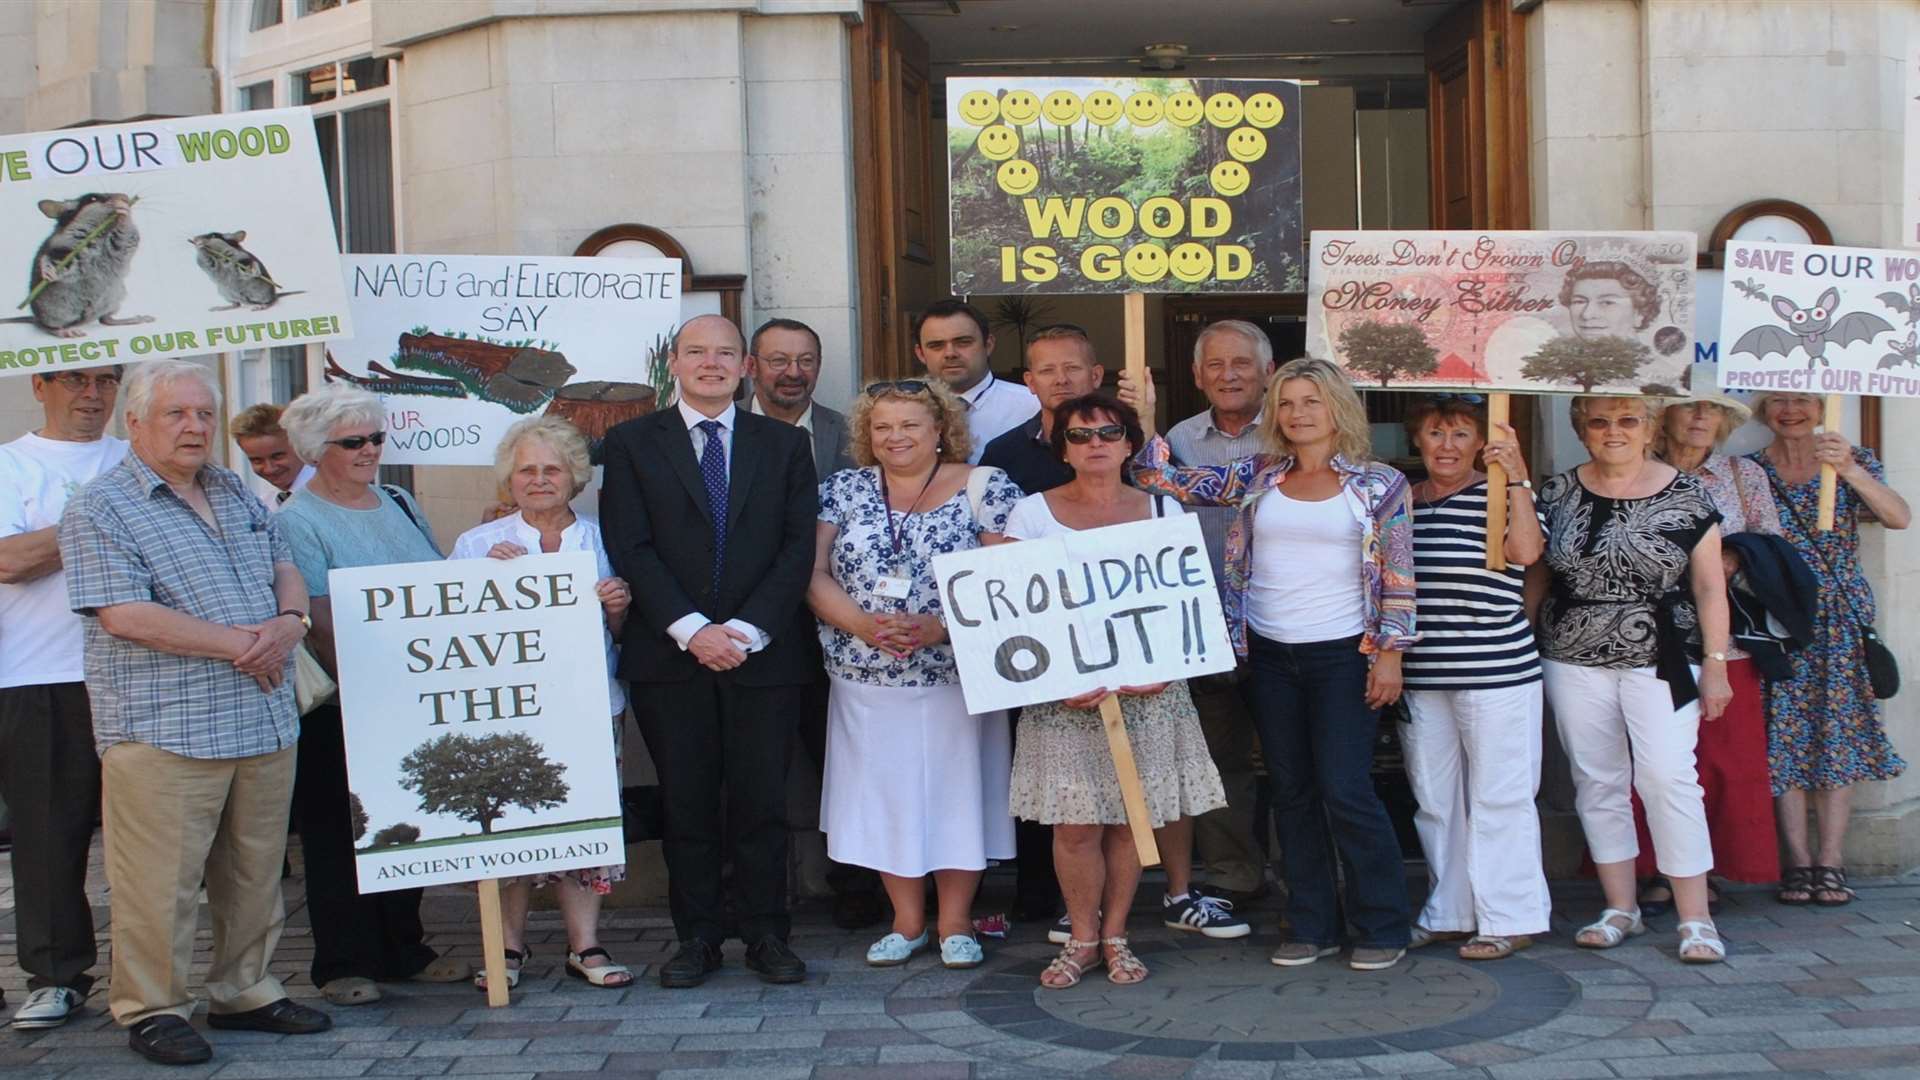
(717, 644)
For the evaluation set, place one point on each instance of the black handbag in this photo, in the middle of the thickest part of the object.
(1883, 671)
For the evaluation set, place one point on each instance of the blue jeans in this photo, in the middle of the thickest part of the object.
(1316, 733)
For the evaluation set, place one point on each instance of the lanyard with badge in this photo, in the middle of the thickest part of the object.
(898, 585)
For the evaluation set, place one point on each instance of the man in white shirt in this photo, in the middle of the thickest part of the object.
(952, 340)
(257, 429)
(49, 771)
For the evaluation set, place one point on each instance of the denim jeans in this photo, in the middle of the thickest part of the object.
(1316, 733)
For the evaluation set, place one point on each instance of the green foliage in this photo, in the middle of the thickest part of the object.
(1387, 351)
(478, 777)
(1587, 362)
(358, 813)
(396, 835)
(660, 370)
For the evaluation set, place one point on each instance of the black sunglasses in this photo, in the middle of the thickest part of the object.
(1080, 436)
(355, 442)
(898, 386)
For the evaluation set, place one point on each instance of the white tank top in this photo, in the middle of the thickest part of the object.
(1306, 583)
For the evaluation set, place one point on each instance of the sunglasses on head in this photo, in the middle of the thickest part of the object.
(897, 386)
(1471, 399)
(355, 442)
(1108, 433)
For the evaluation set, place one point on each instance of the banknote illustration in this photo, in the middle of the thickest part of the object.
(1533, 312)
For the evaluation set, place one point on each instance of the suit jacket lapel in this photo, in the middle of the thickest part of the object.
(676, 445)
(741, 465)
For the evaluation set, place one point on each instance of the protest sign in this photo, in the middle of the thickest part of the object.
(166, 238)
(1608, 313)
(462, 346)
(1084, 185)
(1042, 620)
(477, 745)
(1820, 320)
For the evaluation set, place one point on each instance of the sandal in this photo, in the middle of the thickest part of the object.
(1650, 909)
(515, 958)
(1123, 968)
(1692, 937)
(608, 975)
(1610, 935)
(1796, 886)
(1419, 937)
(1066, 967)
(350, 990)
(1493, 946)
(1831, 879)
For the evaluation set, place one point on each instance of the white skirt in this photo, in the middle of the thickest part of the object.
(914, 783)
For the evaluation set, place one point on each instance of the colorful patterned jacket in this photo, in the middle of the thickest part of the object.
(1377, 494)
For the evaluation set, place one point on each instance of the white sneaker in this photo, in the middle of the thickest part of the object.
(47, 1007)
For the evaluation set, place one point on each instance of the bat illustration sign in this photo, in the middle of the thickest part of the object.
(1821, 320)
(166, 238)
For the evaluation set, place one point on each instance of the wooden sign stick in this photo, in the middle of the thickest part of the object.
(1829, 478)
(493, 943)
(1135, 797)
(1497, 412)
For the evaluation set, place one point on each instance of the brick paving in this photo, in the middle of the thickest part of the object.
(1807, 992)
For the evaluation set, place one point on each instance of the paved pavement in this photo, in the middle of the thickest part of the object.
(1808, 992)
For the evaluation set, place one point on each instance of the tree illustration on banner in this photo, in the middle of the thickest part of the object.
(1388, 351)
(1590, 362)
(477, 778)
(396, 835)
(358, 813)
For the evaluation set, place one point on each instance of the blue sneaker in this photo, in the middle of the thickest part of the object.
(1199, 913)
(895, 949)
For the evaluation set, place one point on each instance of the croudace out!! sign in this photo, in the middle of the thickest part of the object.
(165, 238)
(1124, 185)
(477, 719)
(1042, 620)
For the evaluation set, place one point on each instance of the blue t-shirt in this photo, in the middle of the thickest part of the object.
(327, 536)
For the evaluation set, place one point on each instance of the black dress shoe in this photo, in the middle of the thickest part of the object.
(856, 909)
(168, 1040)
(690, 966)
(770, 959)
(283, 1017)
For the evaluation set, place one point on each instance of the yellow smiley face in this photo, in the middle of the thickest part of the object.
(1104, 107)
(979, 108)
(1230, 178)
(1246, 144)
(1147, 263)
(1062, 107)
(1144, 109)
(998, 143)
(1265, 110)
(1190, 262)
(1017, 177)
(1223, 110)
(1020, 107)
(1184, 108)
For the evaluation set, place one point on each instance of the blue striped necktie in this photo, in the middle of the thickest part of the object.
(713, 470)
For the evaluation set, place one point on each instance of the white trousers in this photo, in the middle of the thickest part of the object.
(1473, 758)
(1622, 734)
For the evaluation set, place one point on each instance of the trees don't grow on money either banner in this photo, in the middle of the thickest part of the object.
(1060, 185)
(1534, 312)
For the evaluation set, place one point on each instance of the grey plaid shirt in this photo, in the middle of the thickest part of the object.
(126, 538)
(1196, 441)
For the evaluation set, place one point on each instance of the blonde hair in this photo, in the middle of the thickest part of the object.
(1352, 436)
(559, 436)
(955, 443)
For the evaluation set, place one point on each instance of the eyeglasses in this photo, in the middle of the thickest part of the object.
(1108, 433)
(78, 383)
(1598, 424)
(1471, 399)
(898, 386)
(355, 442)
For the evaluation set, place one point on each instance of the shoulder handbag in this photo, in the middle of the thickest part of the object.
(1883, 671)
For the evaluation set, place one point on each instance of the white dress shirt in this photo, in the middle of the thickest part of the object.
(996, 406)
(683, 628)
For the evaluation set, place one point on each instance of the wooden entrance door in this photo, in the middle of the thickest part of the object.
(899, 201)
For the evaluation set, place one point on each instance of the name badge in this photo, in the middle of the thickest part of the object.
(893, 588)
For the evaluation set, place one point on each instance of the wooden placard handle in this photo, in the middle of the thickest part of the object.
(493, 943)
(1130, 790)
(1829, 478)
(1498, 407)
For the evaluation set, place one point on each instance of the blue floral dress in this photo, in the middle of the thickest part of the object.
(1823, 725)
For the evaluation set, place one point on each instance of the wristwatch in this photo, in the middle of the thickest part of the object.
(305, 619)
(1528, 484)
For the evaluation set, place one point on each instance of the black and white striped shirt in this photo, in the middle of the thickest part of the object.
(1474, 633)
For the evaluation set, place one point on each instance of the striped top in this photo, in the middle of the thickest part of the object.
(1474, 633)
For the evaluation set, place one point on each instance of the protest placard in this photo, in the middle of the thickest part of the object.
(1084, 185)
(1820, 320)
(462, 346)
(1608, 313)
(166, 238)
(475, 744)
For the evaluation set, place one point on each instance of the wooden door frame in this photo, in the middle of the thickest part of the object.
(1487, 40)
(879, 227)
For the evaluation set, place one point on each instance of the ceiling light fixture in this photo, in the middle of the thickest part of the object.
(1164, 56)
(1003, 28)
(1343, 21)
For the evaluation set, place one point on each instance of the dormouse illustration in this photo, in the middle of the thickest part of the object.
(1811, 328)
(239, 275)
(79, 275)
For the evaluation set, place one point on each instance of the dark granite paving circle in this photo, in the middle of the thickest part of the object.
(1227, 1000)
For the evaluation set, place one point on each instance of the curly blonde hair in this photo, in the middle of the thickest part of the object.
(955, 443)
(1353, 436)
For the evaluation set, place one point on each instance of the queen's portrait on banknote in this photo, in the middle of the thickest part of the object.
(1535, 312)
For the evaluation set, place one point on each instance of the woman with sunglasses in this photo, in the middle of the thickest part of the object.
(1319, 600)
(1634, 636)
(344, 518)
(1062, 770)
(915, 785)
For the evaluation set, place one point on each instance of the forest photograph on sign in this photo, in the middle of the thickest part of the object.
(475, 747)
(1820, 320)
(165, 238)
(1538, 312)
(462, 346)
(1084, 185)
